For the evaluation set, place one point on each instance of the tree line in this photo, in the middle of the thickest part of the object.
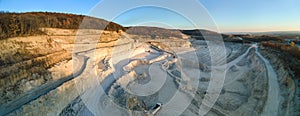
(24, 24)
(290, 49)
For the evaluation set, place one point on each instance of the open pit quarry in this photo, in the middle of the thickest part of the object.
(76, 72)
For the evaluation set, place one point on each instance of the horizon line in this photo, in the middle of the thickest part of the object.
(155, 26)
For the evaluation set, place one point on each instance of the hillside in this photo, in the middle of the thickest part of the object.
(153, 31)
(25, 24)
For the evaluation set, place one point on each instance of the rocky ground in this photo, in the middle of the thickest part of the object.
(69, 72)
(289, 84)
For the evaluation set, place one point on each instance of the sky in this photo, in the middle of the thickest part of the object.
(227, 15)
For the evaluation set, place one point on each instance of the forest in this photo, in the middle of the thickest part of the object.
(26, 24)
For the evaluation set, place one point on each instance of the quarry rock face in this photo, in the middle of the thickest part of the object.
(53, 72)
